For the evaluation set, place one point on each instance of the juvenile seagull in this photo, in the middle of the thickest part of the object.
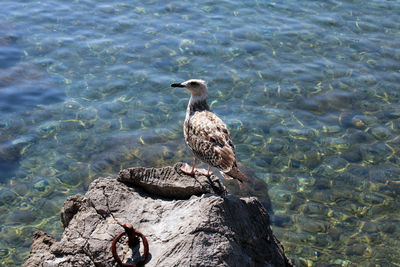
(207, 136)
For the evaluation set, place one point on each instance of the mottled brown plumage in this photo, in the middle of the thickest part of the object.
(207, 135)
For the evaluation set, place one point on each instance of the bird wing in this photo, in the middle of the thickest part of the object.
(209, 139)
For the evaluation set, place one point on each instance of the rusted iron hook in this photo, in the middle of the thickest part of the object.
(133, 240)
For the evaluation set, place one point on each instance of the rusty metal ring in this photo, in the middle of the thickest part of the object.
(133, 240)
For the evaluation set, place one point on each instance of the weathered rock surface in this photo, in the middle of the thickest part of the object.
(203, 228)
(166, 183)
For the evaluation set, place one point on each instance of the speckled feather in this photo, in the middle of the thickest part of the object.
(208, 138)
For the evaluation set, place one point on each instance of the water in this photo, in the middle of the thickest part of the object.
(310, 91)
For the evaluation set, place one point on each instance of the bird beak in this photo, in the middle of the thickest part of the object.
(177, 85)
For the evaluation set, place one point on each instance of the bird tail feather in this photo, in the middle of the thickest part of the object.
(235, 173)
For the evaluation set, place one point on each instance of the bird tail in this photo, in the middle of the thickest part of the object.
(236, 174)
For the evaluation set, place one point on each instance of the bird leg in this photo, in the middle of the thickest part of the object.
(208, 173)
(187, 169)
(204, 172)
(190, 170)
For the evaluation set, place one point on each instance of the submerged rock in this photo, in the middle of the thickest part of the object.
(188, 221)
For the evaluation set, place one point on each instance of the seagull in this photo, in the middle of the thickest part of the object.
(207, 136)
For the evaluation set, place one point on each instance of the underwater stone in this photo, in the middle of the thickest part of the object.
(7, 196)
(377, 175)
(370, 198)
(352, 155)
(392, 114)
(320, 194)
(11, 150)
(358, 136)
(360, 121)
(358, 170)
(280, 220)
(4, 252)
(325, 170)
(312, 159)
(322, 241)
(369, 227)
(378, 210)
(310, 225)
(336, 163)
(47, 129)
(41, 185)
(21, 189)
(279, 131)
(375, 153)
(117, 107)
(70, 178)
(356, 249)
(334, 233)
(308, 104)
(346, 119)
(264, 160)
(253, 48)
(380, 132)
(100, 166)
(394, 187)
(168, 155)
(295, 163)
(387, 226)
(297, 199)
(277, 146)
(281, 196)
(22, 216)
(313, 208)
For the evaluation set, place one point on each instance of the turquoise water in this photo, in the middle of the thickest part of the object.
(310, 91)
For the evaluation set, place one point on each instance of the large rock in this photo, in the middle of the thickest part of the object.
(205, 227)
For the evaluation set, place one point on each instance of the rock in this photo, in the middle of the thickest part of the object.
(165, 182)
(40, 249)
(188, 221)
(71, 207)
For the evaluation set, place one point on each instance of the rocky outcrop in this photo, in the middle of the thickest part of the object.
(188, 221)
(166, 183)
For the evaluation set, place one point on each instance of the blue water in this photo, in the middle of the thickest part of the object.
(310, 91)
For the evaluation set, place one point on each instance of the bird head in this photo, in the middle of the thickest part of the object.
(198, 88)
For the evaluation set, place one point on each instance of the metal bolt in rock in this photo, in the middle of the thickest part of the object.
(133, 240)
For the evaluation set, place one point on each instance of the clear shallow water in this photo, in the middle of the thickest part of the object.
(310, 91)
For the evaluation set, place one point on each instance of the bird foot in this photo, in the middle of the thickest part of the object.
(187, 169)
(204, 172)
